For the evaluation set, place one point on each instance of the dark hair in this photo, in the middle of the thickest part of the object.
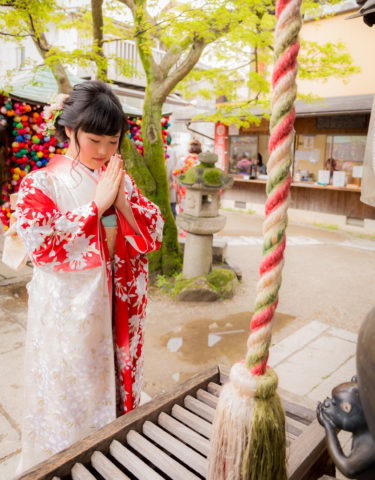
(92, 107)
(260, 159)
(195, 146)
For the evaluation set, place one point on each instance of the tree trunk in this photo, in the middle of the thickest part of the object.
(63, 83)
(168, 260)
(58, 70)
(97, 31)
(136, 166)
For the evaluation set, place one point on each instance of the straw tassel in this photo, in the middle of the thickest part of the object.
(248, 436)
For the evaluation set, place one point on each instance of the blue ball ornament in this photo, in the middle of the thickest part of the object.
(39, 164)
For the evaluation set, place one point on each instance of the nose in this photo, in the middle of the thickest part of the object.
(102, 150)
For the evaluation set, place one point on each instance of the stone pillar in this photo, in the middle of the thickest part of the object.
(198, 255)
(200, 217)
(198, 243)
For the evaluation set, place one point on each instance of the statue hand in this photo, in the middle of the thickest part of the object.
(323, 418)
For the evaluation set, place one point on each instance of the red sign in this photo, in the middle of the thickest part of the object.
(220, 138)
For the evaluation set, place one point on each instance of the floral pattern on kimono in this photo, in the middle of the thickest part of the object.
(69, 359)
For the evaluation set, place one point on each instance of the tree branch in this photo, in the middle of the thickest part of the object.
(44, 49)
(141, 17)
(18, 35)
(170, 58)
(182, 70)
(130, 4)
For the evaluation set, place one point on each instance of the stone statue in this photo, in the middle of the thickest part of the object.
(367, 11)
(344, 411)
(352, 408)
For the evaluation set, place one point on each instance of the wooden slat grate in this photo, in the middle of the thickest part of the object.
(172, 442)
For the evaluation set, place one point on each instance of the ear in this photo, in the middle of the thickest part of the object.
(68, 132)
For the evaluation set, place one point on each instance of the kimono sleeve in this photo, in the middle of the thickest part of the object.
(60, 241)
(149, 220)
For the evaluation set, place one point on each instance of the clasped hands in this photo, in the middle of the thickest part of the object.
(111, 187)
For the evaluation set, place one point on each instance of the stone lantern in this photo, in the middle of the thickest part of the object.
(200, 217)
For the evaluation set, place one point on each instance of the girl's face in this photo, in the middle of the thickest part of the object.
(94, 150)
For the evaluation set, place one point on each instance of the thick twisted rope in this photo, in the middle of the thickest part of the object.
(278, 185)
(248, 432)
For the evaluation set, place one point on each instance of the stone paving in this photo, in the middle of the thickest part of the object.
(314, 359)
(310, 361)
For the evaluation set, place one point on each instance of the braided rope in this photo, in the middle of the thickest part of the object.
(280, 147)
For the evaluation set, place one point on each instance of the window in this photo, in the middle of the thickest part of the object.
(346, 153)
(242, 150)
(309, 157)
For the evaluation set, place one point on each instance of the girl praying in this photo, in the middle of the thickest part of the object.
(87, 229)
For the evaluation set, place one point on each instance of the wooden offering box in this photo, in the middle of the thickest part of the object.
(168, 438)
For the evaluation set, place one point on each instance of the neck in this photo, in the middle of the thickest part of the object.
(74, 156)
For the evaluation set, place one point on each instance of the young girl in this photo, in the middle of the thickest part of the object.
(87, 230)
(195, 148)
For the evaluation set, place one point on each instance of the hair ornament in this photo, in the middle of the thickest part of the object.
(52, 111)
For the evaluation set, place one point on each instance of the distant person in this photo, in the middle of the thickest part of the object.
(195, 148)
(244, 164)
(170, 165)
(253, 168)
(261, 168)
(331, 165)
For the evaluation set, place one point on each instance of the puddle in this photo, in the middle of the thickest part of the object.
(174, 344)
(213, 339)
(176, 377)
(206, 341)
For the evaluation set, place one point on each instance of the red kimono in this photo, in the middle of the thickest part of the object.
(78, 323)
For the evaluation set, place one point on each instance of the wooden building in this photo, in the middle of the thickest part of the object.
(328, 157)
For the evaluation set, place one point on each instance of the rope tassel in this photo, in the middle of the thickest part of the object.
(248, 433)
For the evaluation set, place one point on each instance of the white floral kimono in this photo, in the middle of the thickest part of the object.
(75, 325)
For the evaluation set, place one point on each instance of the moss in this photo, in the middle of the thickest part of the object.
(206, 165)
(224, 281)
(191, 175)
(205, 174)
(137, 169)
(182, 283)
(212, 176)
(167, 260)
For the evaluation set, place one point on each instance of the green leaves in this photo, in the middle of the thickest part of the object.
(212, 48)
(321, 61)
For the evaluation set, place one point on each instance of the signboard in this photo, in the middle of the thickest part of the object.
(324, 177)
(339, 179)
(233, 130)
(335, 122)
(220, 144)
